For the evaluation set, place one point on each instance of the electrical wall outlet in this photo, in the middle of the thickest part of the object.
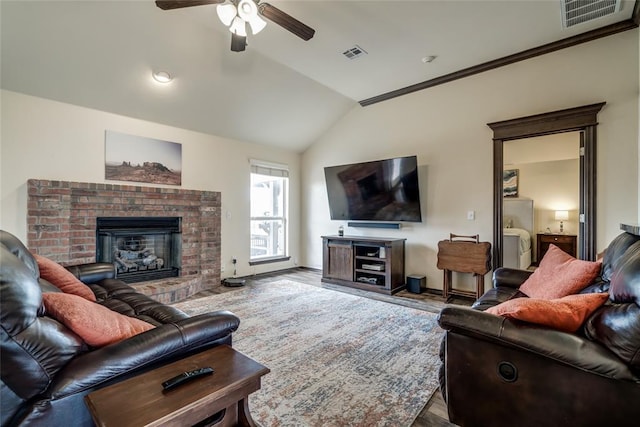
(222, 269)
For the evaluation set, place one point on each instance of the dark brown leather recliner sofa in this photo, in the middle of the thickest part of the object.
(47, 369)
(501, 372)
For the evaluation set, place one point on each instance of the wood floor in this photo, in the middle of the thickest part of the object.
(434, 413)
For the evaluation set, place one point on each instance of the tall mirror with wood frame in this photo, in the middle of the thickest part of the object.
(583, 121)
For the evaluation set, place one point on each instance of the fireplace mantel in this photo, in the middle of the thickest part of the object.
(61, 221)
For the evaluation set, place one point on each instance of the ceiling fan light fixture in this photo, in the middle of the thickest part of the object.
(257, 24)
(248, 10)
(238, 26)
(226, 13)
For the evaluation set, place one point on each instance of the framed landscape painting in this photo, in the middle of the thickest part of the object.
(140, 159)
(510, 183)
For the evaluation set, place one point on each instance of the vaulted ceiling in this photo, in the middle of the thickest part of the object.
(281, 90)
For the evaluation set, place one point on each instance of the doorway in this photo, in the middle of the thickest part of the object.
(581, 119)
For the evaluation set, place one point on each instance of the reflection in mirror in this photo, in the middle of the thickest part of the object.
(547, 184)
(583, 120)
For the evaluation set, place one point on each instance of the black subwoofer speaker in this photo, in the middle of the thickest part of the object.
(415, 284)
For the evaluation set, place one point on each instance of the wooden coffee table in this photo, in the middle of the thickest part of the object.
(219, 398)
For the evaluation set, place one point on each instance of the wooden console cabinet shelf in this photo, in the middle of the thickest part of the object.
(369, 263)
(218, 399)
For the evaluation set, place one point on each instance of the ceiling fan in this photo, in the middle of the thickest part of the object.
(236, 14)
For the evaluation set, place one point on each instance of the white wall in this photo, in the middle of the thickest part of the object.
(445, 126)
(552, 186)
(52, 140)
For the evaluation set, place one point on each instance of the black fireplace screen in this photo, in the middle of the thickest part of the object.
(141, 248)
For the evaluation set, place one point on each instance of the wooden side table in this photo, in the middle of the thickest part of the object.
(566, 242)
(221, 396)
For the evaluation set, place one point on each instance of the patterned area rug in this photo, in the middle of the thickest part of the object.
(336, 359)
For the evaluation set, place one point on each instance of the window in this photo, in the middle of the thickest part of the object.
(269, 211)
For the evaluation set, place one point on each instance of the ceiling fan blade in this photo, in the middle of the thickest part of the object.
(286, 21)
(238, 43)
(177, 4)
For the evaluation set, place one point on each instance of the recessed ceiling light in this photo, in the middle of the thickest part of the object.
(428, 59)
(162, 77)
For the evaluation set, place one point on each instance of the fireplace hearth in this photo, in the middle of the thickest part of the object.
(141, 248)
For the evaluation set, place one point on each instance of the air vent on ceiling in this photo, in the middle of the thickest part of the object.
(354, 52)
(576, 12)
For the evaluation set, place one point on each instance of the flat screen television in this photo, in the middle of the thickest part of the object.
(381, 190)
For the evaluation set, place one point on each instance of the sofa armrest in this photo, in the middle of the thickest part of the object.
(559, 346)
(93, 272)
(510, 277)
(134, 355)
(495, 296)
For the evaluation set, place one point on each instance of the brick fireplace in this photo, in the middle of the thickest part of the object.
(62, 218)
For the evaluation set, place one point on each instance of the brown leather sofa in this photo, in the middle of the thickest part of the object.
(47, 369)
(501, 372)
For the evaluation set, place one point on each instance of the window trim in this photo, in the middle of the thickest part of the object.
(277, 170)
(270, 260)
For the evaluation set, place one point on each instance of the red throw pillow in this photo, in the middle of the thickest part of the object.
(564, 314)
(559, 274)
(94, 323)
(62, 278)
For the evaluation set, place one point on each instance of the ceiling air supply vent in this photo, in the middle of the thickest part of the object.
(576, 12)
(354, 52)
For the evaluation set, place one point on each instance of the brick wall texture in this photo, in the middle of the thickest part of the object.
(61, 221)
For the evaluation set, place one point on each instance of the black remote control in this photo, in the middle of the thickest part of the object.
(185, 377)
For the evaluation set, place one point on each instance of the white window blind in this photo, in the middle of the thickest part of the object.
(269, 169)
